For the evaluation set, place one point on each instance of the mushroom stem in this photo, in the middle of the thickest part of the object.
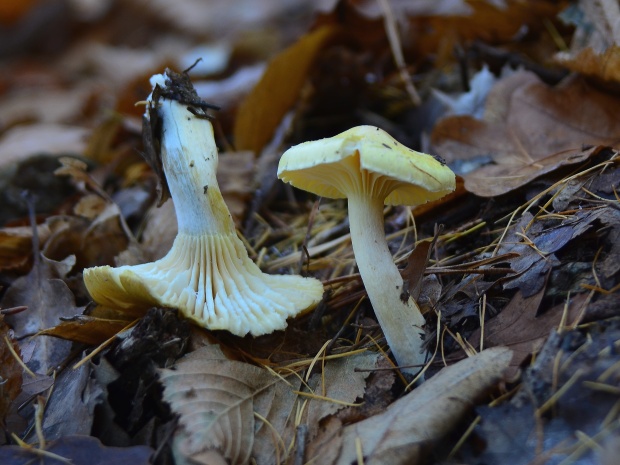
(189, 157)
(401, 321)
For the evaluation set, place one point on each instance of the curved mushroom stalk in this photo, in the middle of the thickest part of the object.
(207, 273)
(369, 168)
(401, 321)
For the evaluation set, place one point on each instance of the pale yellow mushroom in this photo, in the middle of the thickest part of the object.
(207, 273)
(370, 168)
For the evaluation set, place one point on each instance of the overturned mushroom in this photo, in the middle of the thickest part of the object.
(207, 273)
(369, 168)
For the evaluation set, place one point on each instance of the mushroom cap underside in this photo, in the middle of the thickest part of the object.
(211, 280)
(366, 158)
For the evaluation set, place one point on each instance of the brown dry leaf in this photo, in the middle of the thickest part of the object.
(529, 129)
(240, 411)
(440, 31)
(216, 399)
(595, 46)
(16, 245)
(48, 299)
(519, 327)
(95, 327)
(406, 429)
(260, 113)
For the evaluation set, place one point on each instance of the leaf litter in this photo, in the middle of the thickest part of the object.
(527, 258)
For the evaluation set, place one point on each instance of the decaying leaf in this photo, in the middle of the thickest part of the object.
(236, 410)
(70, 409)
(48, 299)
(215, 399)
(16, 245)
(529, 129)
(261, 111)
(537, 246)
(95, 327)
(519, 326)
(404, 432)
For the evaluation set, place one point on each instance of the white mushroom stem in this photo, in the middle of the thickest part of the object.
(401, 321)
(191, 172)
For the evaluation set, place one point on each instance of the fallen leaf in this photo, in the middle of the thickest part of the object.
(215, 399)
(241, 411)
(261, 111)
(536, 248)
(94, 328)
(70, 409)
(595, 45)
(404, 432)
(519, 326)
(529, 129)
(16, 245)
(48, 299)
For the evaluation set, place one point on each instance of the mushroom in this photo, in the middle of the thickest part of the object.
(207, 274)
(370, 168)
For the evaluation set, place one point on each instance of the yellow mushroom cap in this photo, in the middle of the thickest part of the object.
(366, 159)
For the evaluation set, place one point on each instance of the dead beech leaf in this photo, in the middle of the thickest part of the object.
(261, 111)
(338, 384)
(605, 65)
(216, 400)
(412, 424)
(529, 129)
(236, 411)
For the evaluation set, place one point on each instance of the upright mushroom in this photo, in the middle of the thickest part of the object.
(369, 168)
(207, 273)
